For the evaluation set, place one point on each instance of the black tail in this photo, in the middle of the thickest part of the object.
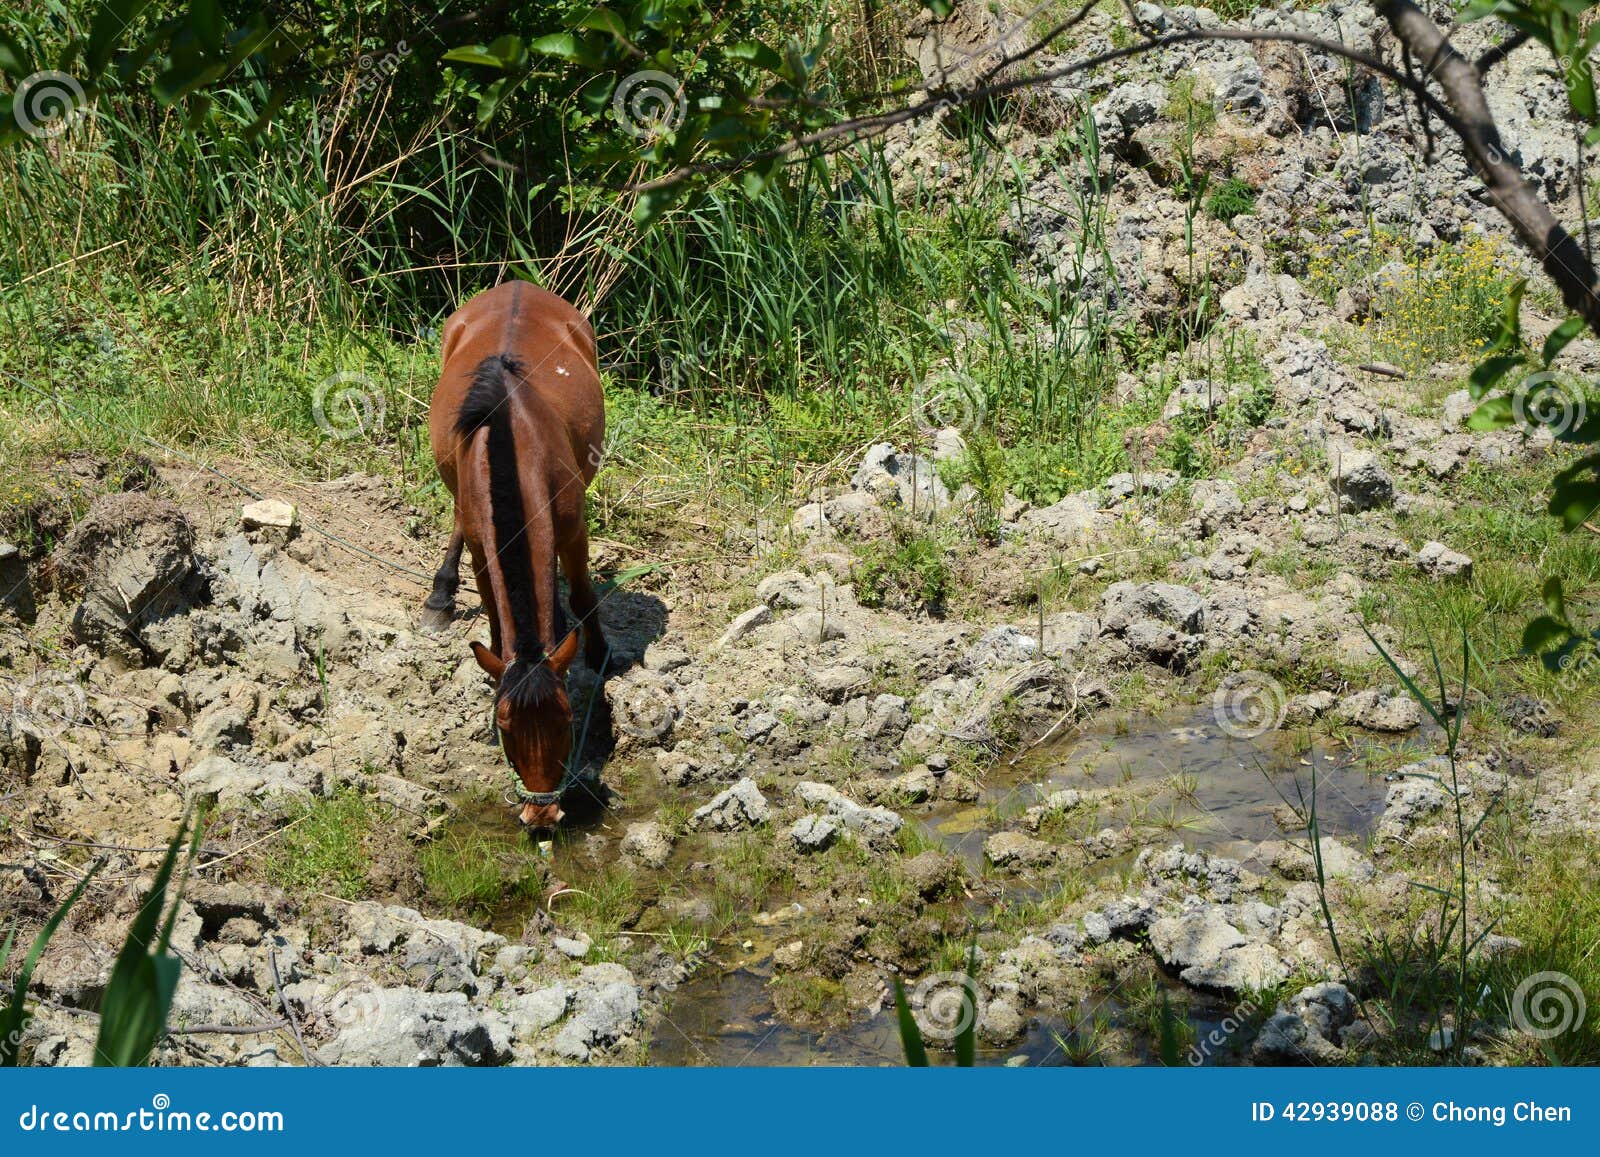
(528, 679)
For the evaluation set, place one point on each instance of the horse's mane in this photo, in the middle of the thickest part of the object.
(528, 680)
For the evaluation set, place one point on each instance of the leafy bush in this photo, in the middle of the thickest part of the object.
(911, 568)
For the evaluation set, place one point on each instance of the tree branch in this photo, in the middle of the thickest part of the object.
(1464, 110)
(1470, 118)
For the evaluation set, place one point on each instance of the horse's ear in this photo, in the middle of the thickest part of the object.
(565, 653)
(493, 664)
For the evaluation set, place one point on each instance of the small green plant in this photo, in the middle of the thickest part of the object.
(325, 849)
(1230, 199)
(14, 1017)
(911, 566)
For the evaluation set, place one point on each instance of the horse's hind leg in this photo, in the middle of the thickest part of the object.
(441, 605)
(585, 604)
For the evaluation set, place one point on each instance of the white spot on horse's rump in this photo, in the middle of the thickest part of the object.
(562, 370)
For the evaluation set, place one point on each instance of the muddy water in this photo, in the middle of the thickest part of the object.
(1178, 780)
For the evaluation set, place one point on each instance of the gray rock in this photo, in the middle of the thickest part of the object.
(406, 1027)
(1069, 633)
(131, 562)
(1308, 1028)
(788, 590)
(648, 842)
(1066, 523)
(1339, 862)
(269, 514)
(814, 833)
(1003, 646)
(1436, 560)
(1361, 481)
(1207, 951)
(740, 806)
(856, 515)
(1457, 408)
(838, 683)
(874, 824)
(898, 479)
(445, 954)
(948, 443)
(1216, 505)
(1162, 644)
(1126, 109)
(1380, 710)
(605, 1010)
(1017, 851)
(1409, 802)
(1124, 603)
(1000, 1022)
(570, 948)
(742, 625)
(220, 781)
(533, 1012)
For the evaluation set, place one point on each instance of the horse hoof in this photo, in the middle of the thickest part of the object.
(436, 619)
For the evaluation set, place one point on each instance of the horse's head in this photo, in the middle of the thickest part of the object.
(534, 717)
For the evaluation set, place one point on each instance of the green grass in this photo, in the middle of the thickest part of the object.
(325, 850)
(197, 295)
(911, 568)
(601, 905)
(471, 871)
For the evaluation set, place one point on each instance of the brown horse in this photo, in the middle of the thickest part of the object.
(517, 423)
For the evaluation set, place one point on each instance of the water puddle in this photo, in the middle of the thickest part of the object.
(1177, 780)
(1180, 780)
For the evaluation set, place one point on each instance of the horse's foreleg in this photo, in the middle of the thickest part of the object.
(585, 604)
(441, 605)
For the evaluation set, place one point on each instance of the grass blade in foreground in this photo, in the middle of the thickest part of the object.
(133, 1015)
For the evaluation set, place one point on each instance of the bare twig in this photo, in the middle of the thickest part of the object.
(283, 1001)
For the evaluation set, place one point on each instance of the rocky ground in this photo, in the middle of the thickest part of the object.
(769, 769)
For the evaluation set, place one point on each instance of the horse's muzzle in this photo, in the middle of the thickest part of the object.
(541, 817)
